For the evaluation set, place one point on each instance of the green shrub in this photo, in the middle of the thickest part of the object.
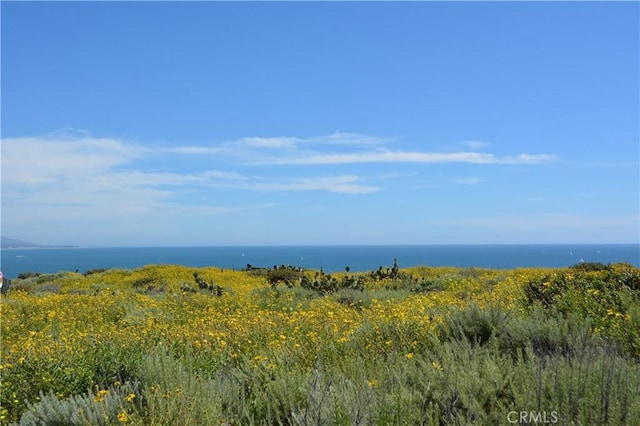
(607, 296)
(113, 405)
(474, 324)
(212, 287)
(45, 278)
(591, 266)
(289, 275)
(25, 275)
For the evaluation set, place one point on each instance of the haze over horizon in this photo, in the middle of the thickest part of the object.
(16, 243)
(220, 123)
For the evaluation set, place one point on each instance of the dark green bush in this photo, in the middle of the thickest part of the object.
(96, 271)
(289, 275)
(591, 266)
(212, 287)
(25, 275)
(46, 278)
(321, 282)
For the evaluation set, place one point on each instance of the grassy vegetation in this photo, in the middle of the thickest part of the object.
(171, 345)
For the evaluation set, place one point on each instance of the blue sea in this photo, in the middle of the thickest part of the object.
(329, 258)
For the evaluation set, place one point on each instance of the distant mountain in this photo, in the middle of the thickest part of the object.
(6, 242)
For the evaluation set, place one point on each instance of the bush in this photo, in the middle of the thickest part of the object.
(591, 267)
(289, 275)
(25, 275)
(96, 271)
(212, 287)
(474, 324)
(113, 405)
(606, 296)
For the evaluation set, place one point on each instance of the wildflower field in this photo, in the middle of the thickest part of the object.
(172, 345)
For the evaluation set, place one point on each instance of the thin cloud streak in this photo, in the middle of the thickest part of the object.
(192, 150)
(287, 142)
(337, 184)
(407, 157)
(261, 151)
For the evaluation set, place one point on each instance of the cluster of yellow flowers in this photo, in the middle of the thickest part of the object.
(138, 310)
(112, 309)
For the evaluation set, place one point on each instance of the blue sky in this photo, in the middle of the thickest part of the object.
(214, 123)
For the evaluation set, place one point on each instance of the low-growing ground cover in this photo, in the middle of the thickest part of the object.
(171, 345)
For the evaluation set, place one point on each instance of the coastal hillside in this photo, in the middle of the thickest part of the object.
(14, 243)
(168, 344)
(7, 242)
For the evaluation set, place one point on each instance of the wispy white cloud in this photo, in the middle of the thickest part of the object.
(77, 177)
(46, 159)
(405, 157)
(339, 184)
(253, 150)
(270, 143)
(532, 159)
(79, 169)
(192, 150)
(280, 151)
(258, 144)
(346, 138)
(80, 177)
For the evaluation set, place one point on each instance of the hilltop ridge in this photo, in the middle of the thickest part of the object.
(9, 243)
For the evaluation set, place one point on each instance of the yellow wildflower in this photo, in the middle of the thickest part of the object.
(123, 417)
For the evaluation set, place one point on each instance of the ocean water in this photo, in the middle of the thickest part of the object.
(329, 258)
